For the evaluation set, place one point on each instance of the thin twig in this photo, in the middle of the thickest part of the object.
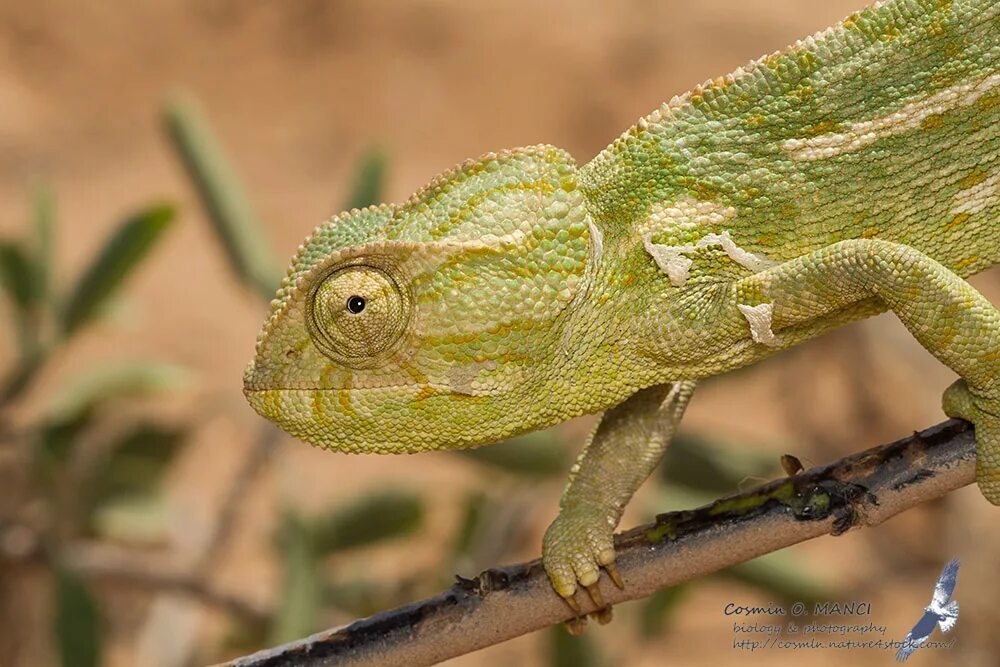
(860, 490)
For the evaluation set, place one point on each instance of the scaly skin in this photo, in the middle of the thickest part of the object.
(855, 172)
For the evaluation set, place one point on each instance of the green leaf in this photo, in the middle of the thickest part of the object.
(658, 609)
(77, 622)
(16, 274)
(537, 454)
(17, 280)
(134, 470)
(55, 441)
(74, 407)
(119, 257)
(468, 527)
(379, 516)
(368, 180)
(136, 519)
(302, 585)
(229, 209)
(566, 650)
(107, 382)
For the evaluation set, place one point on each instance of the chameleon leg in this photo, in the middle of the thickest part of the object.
(618, 457)
(947, 315)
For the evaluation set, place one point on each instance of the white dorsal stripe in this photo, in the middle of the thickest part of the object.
(979, 197)
(908, 117)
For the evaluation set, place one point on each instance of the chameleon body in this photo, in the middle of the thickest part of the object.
(855, 172)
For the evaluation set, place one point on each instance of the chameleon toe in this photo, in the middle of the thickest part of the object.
(595, 594)
(615, 575)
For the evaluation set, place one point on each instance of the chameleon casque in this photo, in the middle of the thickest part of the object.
(855, 172)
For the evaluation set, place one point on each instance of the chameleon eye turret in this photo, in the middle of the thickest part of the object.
(358, 313)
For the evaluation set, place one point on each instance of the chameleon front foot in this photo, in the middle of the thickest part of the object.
(574, 550)
(962, 402)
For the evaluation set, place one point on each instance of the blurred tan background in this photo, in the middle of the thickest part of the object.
(297, 92)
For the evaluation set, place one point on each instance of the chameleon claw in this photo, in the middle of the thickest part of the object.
(595, 595)
(615, 575)
(604, 615)
(576, 626)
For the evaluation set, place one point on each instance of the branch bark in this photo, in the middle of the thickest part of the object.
(863, 489)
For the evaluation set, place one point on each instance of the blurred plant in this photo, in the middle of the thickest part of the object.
(84, 470)
(306, 542)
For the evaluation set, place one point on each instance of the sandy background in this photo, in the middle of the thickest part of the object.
(297, 91)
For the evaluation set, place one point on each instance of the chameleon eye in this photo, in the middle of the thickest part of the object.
(356, 313)
(356, 304)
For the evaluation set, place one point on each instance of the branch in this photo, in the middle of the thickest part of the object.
(863, 489)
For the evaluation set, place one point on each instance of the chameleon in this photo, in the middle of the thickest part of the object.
(854, 172)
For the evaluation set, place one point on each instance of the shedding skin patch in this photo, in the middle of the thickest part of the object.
(597, 239)
(753, 262)
(979, 197)
(760, 318)
(685, 214)
(911, 116)
(670, 259)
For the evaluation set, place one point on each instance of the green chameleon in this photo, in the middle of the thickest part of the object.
(855, 172)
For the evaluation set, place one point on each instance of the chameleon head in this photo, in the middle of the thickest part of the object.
(438, 323)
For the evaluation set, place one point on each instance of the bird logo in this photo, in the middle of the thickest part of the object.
(942, 611)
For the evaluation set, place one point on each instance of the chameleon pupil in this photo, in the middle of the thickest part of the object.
(356, 304)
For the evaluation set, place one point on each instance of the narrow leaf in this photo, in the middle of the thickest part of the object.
(77, 622)
(55, 441)
(469, 525)
(108, 382)
(373, 518)
(137, 462)
(302, 586)
(139, 519)
(122, 499)
(16, 274)
(16, 279)
(229, 209)
(119, 257)
(368, 180)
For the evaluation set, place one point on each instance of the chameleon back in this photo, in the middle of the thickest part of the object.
(885, 126)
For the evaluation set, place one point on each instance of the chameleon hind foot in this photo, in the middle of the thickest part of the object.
(574, 550)
(962, 402)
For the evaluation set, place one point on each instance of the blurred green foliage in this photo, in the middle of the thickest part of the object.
(77, 621)
(306, 542)
(121, 254)
(85, 470)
